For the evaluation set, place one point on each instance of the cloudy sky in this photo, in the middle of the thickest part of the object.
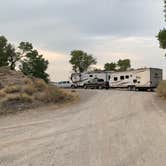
(108, 29)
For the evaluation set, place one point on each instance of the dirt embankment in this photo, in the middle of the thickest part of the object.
(19, 92)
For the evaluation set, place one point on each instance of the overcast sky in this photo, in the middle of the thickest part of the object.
(108, 29)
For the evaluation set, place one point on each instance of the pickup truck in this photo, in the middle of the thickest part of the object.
(96, 84)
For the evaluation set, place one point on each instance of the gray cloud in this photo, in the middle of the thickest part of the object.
(63, 25)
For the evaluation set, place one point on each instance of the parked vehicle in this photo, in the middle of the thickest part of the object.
(139, 79)
(64, 84)
(79, 79)
(96, 84)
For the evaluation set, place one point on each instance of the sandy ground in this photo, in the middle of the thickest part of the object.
(107, 128)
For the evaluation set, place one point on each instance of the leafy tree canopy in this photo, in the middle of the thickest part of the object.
(162, 34)
(33, 63)
(124, 64)
(13, 56)
(81, 61)
(162, 38)
(110, 66)
(3, 53)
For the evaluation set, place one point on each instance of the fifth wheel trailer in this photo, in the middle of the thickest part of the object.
(139, 79)
(79, 79)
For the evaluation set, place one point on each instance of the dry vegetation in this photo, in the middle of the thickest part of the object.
(19, 92)
(161, 90)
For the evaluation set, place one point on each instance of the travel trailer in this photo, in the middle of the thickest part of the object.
(79, 79)
(139, 79)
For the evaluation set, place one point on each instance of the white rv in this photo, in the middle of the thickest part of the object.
(144, 78)
(79, 79)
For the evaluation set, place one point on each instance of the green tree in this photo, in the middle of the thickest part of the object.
(81, 61)
(110, 66)
(124, 64)
(3, 54)
(13, 56)
(33, 64)
(162, 34)
(165, 9)
(162, 38)
(25, 47)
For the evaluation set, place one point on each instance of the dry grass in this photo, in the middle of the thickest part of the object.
(28, 81)
(2, 94)
(13, 89)
(40, 85)
(53, 95)
(22, 97)
(19, 92)
(29, 89)
(161, 90)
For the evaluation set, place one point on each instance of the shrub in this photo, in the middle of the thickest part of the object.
(161, 90)
(28, 81)
(22, 97)
(13, 89)
(52, 95)
(2, 94)
(40, 84)
(29, 89)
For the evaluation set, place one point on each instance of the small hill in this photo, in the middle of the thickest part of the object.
(19, 92)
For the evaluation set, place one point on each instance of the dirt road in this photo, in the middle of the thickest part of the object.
(107, 128)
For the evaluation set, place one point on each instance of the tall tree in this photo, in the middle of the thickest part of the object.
(81, 61)
(124, 64)
(13, 56)
(162, 34)
(110, 66)
(3, 54)
(33, 63)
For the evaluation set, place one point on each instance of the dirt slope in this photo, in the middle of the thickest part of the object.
(19, 92)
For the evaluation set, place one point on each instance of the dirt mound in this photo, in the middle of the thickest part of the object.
(19, 92)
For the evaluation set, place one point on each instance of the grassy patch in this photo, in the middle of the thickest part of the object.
(20, 92)
(52, 94)
(22, 97)
(13, 89)
(29, 89)
(161, 90)
(40, 85)
(2, 94)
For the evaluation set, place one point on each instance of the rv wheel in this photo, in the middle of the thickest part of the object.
(129, 88)
(134, 88)
(85, 87)
(100, 87)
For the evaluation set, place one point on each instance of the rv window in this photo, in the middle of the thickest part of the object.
(109, 77)
(90, 75)
(134, 81)
(122, 77)
(127, 77)
(100, 80)
(115, 78)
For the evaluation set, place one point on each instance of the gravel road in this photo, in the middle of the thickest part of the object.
(106, 128)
